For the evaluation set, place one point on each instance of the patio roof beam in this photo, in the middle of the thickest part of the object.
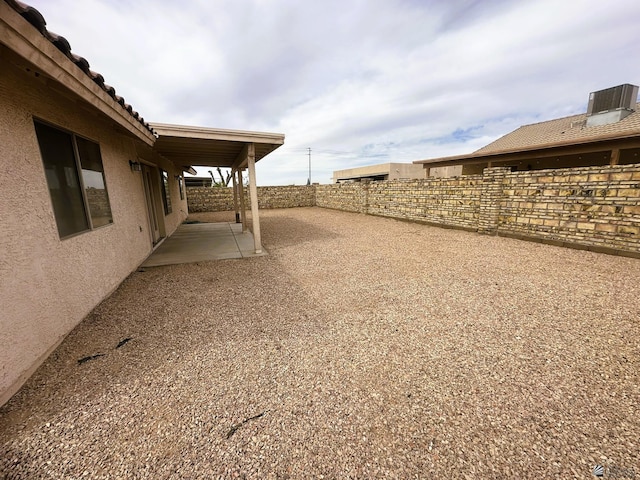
(241, 160)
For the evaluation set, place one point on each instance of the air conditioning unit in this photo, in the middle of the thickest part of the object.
(622, 97)
(611, 104)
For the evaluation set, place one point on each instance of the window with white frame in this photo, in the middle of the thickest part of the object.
(75, 176)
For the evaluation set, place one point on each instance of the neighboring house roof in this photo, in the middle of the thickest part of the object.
(564, 131)
(35, 18)
(559, 132)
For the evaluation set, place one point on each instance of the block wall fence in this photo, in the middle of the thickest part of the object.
(593, 208)
(217, 199)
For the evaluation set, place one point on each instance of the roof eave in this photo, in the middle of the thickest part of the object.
(28, 43)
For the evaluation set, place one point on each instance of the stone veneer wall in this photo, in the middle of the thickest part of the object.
(596, 208)
(286, 196)
(216, 199)
(351, 197)
(451, 202)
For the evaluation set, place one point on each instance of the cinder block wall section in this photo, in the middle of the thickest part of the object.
(453, 202)
(286, 196)
(216, 199)
(350, 197)
(596, 208)
(207, 199)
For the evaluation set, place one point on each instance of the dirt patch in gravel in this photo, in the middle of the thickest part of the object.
(360, 347)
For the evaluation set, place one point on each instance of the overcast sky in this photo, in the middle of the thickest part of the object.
(359, 82)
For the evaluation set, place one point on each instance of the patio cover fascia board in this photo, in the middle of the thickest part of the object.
(540, 151)
(212, 147)
(62, 74)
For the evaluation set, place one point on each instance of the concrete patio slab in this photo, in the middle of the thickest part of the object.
(199, 242)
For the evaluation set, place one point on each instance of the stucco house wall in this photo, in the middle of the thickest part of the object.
(47, 284)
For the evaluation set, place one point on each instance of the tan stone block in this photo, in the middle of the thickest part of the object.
(551, 223)
(606, 227)
(635, 176)
(555, 206)
(629, 192)
(578, 178)
(536, 221)
(631, 209)
(628, 229)
(586, 226)
(621, 176)
(598, 177)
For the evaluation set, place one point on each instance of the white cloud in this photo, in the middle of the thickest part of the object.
(359, 82)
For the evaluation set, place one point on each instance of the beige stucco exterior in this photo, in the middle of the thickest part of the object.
(49, 285)
(445, 172)
(383, 171)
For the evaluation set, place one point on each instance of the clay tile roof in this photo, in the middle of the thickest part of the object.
(60, 42)
(109, 89)
(563, 131)
(99, 79)
(35, 18)
(30, 14)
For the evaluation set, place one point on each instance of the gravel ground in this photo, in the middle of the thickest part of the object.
(360, 347)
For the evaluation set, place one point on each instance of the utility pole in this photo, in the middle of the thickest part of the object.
(309, 181)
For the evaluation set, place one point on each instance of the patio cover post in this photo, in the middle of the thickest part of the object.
(253, 192)
(235, 195)
(243, 209)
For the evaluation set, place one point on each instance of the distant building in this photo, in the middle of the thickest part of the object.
(383, 171)
(197, 181)
(607, 134)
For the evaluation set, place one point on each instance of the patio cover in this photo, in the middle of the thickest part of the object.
(213, 147)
